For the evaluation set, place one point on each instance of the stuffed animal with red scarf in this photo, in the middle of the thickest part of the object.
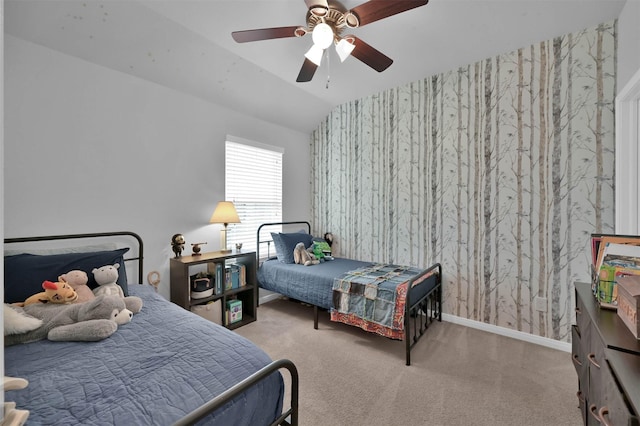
(59, 292)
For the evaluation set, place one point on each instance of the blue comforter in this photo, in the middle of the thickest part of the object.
(310, 284)
(152, 371)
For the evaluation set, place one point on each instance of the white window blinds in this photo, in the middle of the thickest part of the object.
(253, 182)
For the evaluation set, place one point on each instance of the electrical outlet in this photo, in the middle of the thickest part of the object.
(540, 304)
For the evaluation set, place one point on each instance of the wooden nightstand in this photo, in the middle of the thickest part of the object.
(216, 264)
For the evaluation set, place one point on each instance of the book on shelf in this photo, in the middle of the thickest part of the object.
(219, 278)
(617, 256)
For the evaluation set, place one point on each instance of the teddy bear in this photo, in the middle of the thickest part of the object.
(107, 277)
(94, 320)
(56, 293)
(303, 257)
(78, 281)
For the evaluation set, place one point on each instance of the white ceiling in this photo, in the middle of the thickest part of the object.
(186, 45)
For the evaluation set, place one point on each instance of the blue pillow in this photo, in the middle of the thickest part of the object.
(277, 242)
(24, 273)
(285, 243)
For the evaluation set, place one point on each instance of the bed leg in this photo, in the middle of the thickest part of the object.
(315, 317)
(407, 337)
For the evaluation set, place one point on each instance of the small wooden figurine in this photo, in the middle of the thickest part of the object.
(177, 244)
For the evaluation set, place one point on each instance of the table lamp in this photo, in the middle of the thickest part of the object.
(224, 213)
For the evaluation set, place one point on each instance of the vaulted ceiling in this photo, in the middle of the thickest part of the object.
(186, 45)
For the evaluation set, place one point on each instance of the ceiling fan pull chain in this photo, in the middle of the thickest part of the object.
(328, 67)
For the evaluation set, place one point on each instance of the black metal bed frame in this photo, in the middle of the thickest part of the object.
(418, 315)
(287, 417)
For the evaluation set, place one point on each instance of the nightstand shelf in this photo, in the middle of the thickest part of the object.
(180, 283)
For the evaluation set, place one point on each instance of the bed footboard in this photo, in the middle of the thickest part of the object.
(420, 313)
(288, 417)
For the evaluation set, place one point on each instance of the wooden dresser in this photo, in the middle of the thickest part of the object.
(607, 359)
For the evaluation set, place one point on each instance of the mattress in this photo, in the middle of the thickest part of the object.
(152, 371)
(310, 284)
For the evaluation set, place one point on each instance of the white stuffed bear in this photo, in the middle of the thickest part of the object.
(106, 277)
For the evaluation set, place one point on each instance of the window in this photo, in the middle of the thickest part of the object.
(253, 182)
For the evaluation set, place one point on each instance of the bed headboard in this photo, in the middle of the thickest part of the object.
(128, 238)
(276, 226)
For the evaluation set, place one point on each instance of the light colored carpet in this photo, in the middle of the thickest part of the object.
(458, 375)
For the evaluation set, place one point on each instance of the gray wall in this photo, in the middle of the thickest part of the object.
(89, 149)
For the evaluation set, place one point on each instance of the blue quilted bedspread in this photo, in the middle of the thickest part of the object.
(152, 371)
(310, 284)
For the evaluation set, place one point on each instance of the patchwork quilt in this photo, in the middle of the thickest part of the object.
(373, 298)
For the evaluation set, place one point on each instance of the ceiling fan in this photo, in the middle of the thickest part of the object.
(326, 20)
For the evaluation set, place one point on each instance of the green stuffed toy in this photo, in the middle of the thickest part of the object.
(322, 250)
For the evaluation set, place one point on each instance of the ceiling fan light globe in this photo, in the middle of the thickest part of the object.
(314, 54)
(322, 35)
(344, 49)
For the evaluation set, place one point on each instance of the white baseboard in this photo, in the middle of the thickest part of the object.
(503, 331)
(267, 296)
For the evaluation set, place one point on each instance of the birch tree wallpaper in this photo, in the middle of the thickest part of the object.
(499, 170)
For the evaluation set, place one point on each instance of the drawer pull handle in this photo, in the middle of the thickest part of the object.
(592, 357)
(580, 397)
(603, 413)
(576, 360)
(592, 410)
(578, 311)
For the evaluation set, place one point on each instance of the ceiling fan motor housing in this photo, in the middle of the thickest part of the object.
(336, 16)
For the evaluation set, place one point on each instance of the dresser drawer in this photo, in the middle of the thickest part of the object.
(613, 409)
(606, 357)
(582, 314)
(579, 358)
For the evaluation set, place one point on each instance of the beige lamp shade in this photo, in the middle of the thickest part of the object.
(225, 212)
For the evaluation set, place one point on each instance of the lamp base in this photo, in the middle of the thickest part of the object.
(223, 240)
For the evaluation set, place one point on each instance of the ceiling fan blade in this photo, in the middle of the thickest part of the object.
(264, 34)
(370, 56)
(375, 10)
(307, 71)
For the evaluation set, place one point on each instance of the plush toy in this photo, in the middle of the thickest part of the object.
(328, 237)
(53, 293)
(78, 281)
(107, 277)
(303, 257)
(91, 321)
(322, 250)
(17, 322)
